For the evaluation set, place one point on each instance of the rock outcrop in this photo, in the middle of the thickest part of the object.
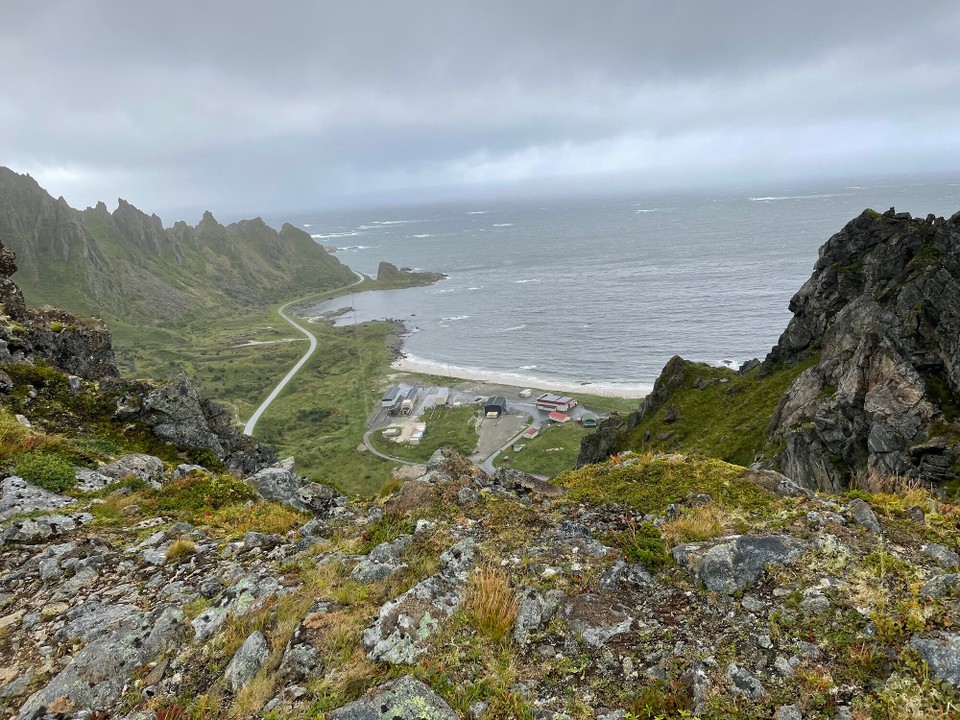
(881, 313)
(82, 348)
(78, 346)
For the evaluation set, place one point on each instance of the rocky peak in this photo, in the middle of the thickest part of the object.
(882, 313)
(144, 230)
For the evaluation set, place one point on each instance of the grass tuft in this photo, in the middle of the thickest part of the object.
(701, 523)
(181, 548)
(491, 603)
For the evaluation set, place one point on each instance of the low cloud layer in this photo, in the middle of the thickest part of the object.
(254, 108)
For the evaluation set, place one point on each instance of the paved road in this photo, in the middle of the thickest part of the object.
(252, 422)
(487, 464)
(371, 448)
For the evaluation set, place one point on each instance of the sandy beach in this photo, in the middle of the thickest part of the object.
(620, 390)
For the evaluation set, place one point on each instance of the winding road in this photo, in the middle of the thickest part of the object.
(392, 458)
(252, 422)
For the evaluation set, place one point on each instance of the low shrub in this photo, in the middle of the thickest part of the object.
(50, 470)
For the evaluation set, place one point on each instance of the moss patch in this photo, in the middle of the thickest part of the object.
(648, 483)
(718, 413)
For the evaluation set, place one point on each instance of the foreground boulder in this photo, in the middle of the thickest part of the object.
(18, 496)
(403, 699)
(285, 486)
(731, 566)
(97, 675)
(942, 655)
(404, 625)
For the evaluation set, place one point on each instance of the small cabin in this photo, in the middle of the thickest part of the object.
(494, 407)
(558, 417)
(531, 432)
(589, 420)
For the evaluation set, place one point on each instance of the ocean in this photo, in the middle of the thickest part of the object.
(599, 293)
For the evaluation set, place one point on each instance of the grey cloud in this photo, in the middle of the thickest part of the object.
(244, 106)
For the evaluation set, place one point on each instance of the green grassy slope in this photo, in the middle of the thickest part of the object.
(719, 413)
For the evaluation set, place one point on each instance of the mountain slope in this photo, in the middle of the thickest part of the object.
(126, 265)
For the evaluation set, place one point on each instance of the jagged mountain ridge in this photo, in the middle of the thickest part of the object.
(126, 265)
(870, 362)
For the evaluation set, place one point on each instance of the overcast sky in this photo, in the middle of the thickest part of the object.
(255, 107)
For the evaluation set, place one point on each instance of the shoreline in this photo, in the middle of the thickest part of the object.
(402, 362)
(410, 364)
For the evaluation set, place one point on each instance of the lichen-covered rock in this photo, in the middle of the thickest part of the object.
(595, 618)
(146, 468)
(530, 605)
(943, 556)
(864, 516)
(942, 655)
(284, 486)
(247, 661)
(732, 565)
(18, 496)
(28, 531)
(524, 484)
(404, 625)
(941, 586)
(95, 676)
(382, 561)
(744, 683)
(403, 699)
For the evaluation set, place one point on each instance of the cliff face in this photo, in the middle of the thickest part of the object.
(78, 346)
(126, 265)
(882, 313)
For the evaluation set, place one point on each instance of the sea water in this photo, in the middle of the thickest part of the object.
(603, 291)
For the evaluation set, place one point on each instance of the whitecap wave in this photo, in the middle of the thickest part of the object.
(455, 317)
(439, 291)
(477, 212)
(514, 328)
(326, 236)
(424, 235)
(814, 196)
(526, 280)
(503, 224)
(396, 222)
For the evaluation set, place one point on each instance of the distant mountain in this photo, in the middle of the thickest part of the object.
(126, 265)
